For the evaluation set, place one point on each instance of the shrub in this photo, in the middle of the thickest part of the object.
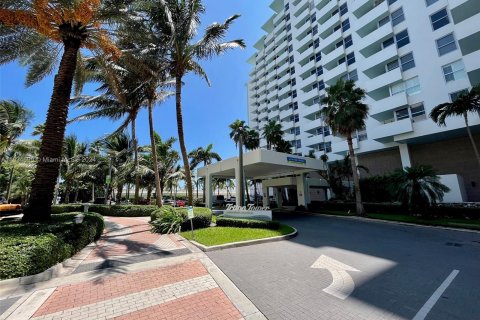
(106, 210)
(202, 217)
(170, 221)
(248, 223)
(27, 249)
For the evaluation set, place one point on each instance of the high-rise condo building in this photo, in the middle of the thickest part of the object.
(408, 55)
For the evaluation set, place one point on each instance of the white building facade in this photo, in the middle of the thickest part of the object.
(409, 56)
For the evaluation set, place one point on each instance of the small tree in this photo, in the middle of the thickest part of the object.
(418, 188)
(345, 114)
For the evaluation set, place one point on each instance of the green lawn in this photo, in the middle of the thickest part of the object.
(443, 222)
(220, 235)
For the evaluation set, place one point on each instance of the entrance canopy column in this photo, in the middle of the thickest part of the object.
(266, 196)
(208, 190)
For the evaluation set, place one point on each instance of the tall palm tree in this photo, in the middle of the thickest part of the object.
(345, 113)
(177, 23)
(14, 119)
(465, 103)
(70, 168)
(252, 139)
(35, 32)
(283, 146)
(205, 156)
(167, 159)
(238, 133)
(418, 188)
(272, 132)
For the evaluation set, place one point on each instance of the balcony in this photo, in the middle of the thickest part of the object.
(263, 115)
(288, 137)
(271, 95)
(312, 125)
(287, 125)
(326, 10)
(309, 110)
(309, 95)
(284, 102)
(301, 17)
(304, 28)
(383, 109)
(282, 93)
(285, 114)
(362, 7)
(379, 60)
(282, 67)
(328, 25)
(334, 74)
(386, 132)
(341, 147)
(373, 42)
(383, 80)
(307, 82)
(331, 39)
(369, 21)
(305, 54)
(334, 55)
(303, 43)
(463, 9)
(307, 67)
(313, 140)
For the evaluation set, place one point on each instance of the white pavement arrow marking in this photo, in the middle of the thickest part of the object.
(342, 285)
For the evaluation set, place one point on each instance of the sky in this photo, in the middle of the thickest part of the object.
(207, 111)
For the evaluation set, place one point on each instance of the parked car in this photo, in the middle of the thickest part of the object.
(181, 203)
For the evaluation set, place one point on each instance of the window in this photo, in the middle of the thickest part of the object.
(343, 9)
(341, 60)
(407, 61)
(296, 131)
(318, 56)
(411, 87)
(339, 44)
(288, 27)
(454, 71)
(402, 39)
(290, 59)
(345, 25)
(388, 42)
(290, 48)
(439, 19)
(319, 71)
(334, 12)
(287, 17)
(292, 70)
(454, 95)
(350, 58)
(398, 17)
(392, 65)
(294, 93)
(402, 114)
(326, 131)
(336, 28)
(287, 5)
(390, 2)
(316, 43)
(383, 21)
(289, 38)
(418, 112)
(313, 18)
(315, 30)
(298, 144)
(321, 85)
(362, 135)
(348, 41)
(296, 118)
(446, 44)
(430, 2)
(353, 75)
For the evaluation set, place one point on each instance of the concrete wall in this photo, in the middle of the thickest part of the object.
(453, 156)
(379, 163)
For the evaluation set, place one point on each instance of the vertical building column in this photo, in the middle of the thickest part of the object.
(301, 190)
(266, 196)
(277, 194)
(405, 155)
(208, 190)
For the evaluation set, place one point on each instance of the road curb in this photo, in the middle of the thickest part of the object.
(244, 243)
(366, 219)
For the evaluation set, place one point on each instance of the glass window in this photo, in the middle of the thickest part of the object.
(392, 65)
(383, 21)
(341, 60)
(418, 112)
(353, 75)
(313, 18)
(430, 2)
(316, 43)
(315, 30)
(388, 42)
(321, 85)
(402, 39)
(345, 25)
(350, 58)
(294, 94)
(296, 118)
(455, 95)
(319, 71)
(397, 17)
(318, 56)
(407, 61)
(391, 1)
(439, 19)
(412, 86)
(454, 71)
(348, 41)
(446, 44)
(402, 114)
(339, 44)
(343, 9)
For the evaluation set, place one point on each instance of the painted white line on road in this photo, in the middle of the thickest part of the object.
(422, 313)
(342, 283)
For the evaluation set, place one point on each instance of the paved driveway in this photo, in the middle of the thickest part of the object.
(398, 272)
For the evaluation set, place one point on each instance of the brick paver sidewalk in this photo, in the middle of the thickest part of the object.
(186, 286)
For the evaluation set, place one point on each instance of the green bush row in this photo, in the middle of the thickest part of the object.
(202, 217)
(247, 223)
(27, 249)
(106, 210)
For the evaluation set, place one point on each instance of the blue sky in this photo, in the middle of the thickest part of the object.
(207, 110)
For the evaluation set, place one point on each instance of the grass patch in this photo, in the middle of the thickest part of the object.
(221, 235)
(440, 222)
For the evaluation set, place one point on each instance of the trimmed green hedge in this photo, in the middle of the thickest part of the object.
(106, 210)
(247, 223)
(31, 248)
(202, 219)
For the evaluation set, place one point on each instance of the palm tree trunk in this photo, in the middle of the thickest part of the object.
(76, 196)
(119, 192)
(158, 192)
(67, 193)
(135, 152)
(9, 187)
(358, 194)
(93, 192)
(246, 190)
(43, 184)
(149, 194)
(181, 138)
(475, 149)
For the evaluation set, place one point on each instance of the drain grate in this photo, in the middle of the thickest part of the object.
(453, 244)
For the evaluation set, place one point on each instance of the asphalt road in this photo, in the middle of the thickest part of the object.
(402, 272)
